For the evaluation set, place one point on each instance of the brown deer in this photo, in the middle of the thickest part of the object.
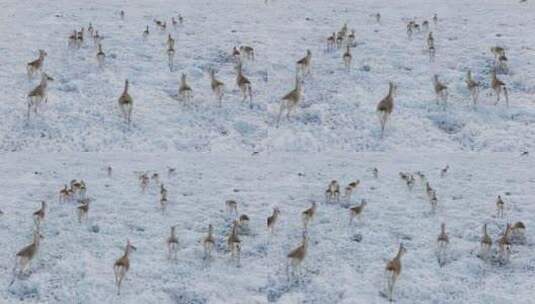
(442, 245)
(347, 58)
(392, 272)
(357, 211)
(441, 91)
(28, 253)
(504, 245)
(83, 209)
(218, 87)
(349, 190)
(172, 244)
(171, 56)
(497, 85)
(248, 51)
(272, 220)
(100, 56)
(290, 101)
(308, 215)
(500, 206)
(234, 243)
(296, 257)
(126, 103)
(473, 86)
(146, 33)
(244, 84)
(333, 192)
(303, 64)
(232, 208)
(36, 65)
(486, 244)
(331, 42)
(122, 265)
(39, 215)
(209, 242)
(385, 107)
(38, 95)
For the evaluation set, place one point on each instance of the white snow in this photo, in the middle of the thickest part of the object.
(338, 112)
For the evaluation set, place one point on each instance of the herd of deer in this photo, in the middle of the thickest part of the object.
(342, 39)
(239, 225)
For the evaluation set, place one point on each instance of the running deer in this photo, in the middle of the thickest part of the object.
(172, 244)
(25, 256)
(39, 215)
(83, 210)
(392, 272)
(100, 56)
(38, 95)
(126, 103)
(146, 33)
(442, 245)
(504, 245)
(500, 206)
(248, 51)
(333, 192)
(486, 244)
(80, 38)
(122, 265)
(218, 87)
(308, 215)
(349, 190)
(209, 242)
(441, 91)
(231, 207)
(357, 211)
(234, 243)
(347, 58)
(272, 220)
(385, 107)
(290, 101)
(473, 86)
(303, 64)
(296, 257)
(244, 84)
(497, 85)
(36, 65)
(184, 90)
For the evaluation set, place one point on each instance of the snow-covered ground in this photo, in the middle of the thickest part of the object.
(338, 112)
(75, 262)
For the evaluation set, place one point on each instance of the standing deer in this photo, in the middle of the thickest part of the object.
(209, 242)
(290, 101)
(347, 58)
(303, 64)
(442, 245)
(500, 206)
(486, 244)
(100, 56)
(171, 56)
(441, 91)
(146, 33)
(184, 90)
(333, 192)
(272, 220)
(172, 244)
(36, 65)
(392, 271)
(504, 245)
(39, 215)
(497, 85)
(385, 107)
(308, 215)
(244, 84)
(248, 51)
(357, 211)
(234, 243)
(218, 87)
(473, 86)
(25, 256)
(83, 209)
(296, 257)
(122, 265)
(126, 103)
(38, 94)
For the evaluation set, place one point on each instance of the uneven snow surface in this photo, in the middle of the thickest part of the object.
(338, 111)
(75, 262)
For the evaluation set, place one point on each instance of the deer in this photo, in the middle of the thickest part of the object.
(109, 171)
(170, 41)
(122, 265)
(349, 190)
(290, 101)
(172, 244)
(36, 65)
(39, 215)
(248, 51)
(174, 22)
(144, 181)
(518, 231)
(375, 173)
(236, 54)
(392, 272)
(486, 244)
(218, 87)
(163, 201)
(72, 40)
(80, 38)
(441, 91)
(121, 13)
(351, 38)
(432, 53)
(83, 209)
(232, 208)
(333, 192)
(504, 245)
(385, 107)
(497, 85)
(473, 86)
(444, 171)
(100, 56)
(244, 84)
(272, 220)
(180, 19)
(171, 56)
(357, 211)
(425, 25)
(65, 194)
(90, 29)
(378, 17)
(209, 242)
(430, 40)
(296, 257)
(308, 215)
(347, 58)
(234, 243)
(442, 245)
(146, 33)
(38, 95)
(126, 103)
(331, 42)
(500, 206)
(435, 19)
(497, 51)
(243, 224)
(434, 201)
(97, 39)
(340, 39)
(410, 181)
(184, 90)
(303, 64)
(409, 31)
(429, 190)
(25, 256)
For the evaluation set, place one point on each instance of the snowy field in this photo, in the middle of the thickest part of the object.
(338, 111)
(75, 261)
